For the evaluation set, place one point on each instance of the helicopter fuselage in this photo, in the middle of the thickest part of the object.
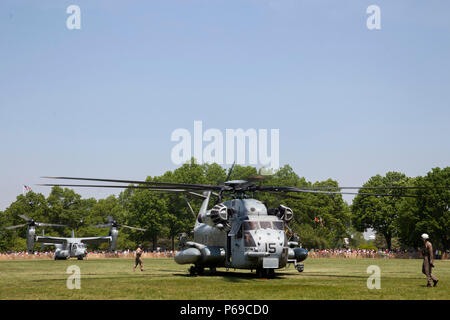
(240, 234)
(70, 249)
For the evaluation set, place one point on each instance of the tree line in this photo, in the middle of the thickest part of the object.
(321, 220)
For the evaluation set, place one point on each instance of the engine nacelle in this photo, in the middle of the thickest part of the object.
(217, 217)
(285, 213)
(114, 233)
(219, 213)
(31, 232)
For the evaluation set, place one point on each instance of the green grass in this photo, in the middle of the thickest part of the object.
(164, 279)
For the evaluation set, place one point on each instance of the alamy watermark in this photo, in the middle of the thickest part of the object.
(374, 20)
(74, 280)
(374, 281)
(241, 146)
(73, 21)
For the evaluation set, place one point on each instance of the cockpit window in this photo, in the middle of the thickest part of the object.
(266, 225)
(248, 240)
(255, 225)
(251, 225)
(278, 225)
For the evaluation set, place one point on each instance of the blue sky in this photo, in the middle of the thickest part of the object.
(103, 101)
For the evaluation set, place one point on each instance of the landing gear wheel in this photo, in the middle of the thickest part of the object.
(196, 270)
(300, 267)
(261, 273)
(80, 258)
(200, 270)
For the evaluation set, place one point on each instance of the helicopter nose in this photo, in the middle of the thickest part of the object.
(272, 248)
(271, 243)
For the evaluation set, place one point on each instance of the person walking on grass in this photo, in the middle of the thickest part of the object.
(138, 260)
(428, 261)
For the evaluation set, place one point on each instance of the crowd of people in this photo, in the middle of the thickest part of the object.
(312, 253)
(26, 255)
(367, 253)
(91, 254)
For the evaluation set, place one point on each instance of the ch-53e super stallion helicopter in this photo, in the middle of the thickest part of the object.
(239, 233)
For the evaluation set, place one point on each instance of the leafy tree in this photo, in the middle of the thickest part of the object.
(428, 213)
(380, 213)
(166, 215)
(66, 206)
(330, 209)
(33, 205)
(149, 211)
(356, 239)
(99, 213)
(242, 172)
(214, 173)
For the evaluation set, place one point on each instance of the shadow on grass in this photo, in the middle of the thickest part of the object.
(136, 276)
(232, 276)
(324, 275)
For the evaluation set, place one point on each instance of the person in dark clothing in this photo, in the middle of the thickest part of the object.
(138, 261)
(428, 262)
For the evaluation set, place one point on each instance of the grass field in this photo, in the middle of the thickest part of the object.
(164, 279)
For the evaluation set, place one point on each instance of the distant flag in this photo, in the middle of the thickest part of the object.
(26, 189)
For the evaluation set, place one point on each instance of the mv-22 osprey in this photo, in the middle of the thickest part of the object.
(239, 233)
(66, 248)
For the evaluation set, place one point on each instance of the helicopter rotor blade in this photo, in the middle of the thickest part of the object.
(43, 224)
(17, 226)
(156, 183)
(241, 186)
(27, 218)
(293, 189)
(133, 228)
(375, 188)
(101, 225)
(160, 188)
